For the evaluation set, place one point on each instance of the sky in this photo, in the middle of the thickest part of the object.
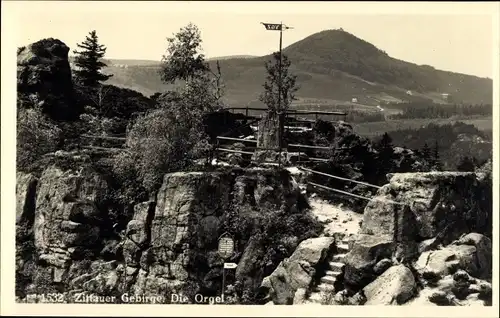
(448, 36)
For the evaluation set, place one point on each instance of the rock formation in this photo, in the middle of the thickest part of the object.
(439, 209)
(472, 253)
(44, 78)
(295, 275)
(169, 244)
(394, 287)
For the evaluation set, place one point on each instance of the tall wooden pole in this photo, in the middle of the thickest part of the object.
(280, 110)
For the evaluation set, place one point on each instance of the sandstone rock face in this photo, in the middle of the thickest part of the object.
(25, 198)
(187, 220)
(44, 74)
(25, 215)
(394, 287)
(179, 200)
(438, 206)
(298, 271)
(169, 245)
(138, 236)
(186, 203)
(246, 266)
(67, 217)
(438, 199)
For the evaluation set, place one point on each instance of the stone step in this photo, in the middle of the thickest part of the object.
(327, 279)
(336, 266)
(339, 257)
(325, 288)
(343, 248)
(316, 298)
(333, 273)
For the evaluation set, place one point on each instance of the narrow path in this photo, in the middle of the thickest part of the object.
(341, 223)
(337, 218)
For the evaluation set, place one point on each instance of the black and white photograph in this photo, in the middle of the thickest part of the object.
(200, 153)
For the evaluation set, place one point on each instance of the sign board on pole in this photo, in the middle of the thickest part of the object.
(226, 246)
(230, 265)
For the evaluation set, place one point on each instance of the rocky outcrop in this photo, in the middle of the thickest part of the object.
(417, 210)
(296, 274)
(67, 215)
(169, 245)
(188, 219)
(406, 160)
(44, 78)
(470, 145)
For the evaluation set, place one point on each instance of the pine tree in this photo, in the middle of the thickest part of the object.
(89, 61)
(436, 160)
(385, 154)
(427, 156)
(426, 152)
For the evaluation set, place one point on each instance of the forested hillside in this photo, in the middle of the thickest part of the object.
(333, 65)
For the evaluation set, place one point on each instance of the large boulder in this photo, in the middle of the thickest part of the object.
(471, 253)
(187, 203)
(299, 270)
(44, 78)
(394, 287)
(361, 262)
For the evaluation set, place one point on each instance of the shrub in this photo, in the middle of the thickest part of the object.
(162, 141)
(113, 102)
(36, 136)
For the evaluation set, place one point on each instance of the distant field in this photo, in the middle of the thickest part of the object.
(377, 128)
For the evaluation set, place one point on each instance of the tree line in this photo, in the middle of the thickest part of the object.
(423, 109)
(440, 141)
